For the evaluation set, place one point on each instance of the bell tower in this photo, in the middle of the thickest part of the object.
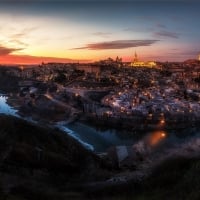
(135, 57)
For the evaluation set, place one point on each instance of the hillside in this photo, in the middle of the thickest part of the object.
(37, 161)
(8, 82)
(176, 178)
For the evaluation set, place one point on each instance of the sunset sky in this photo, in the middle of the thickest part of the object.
(42, 30)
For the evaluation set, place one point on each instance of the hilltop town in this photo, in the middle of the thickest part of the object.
(158, 95)
(105, 94)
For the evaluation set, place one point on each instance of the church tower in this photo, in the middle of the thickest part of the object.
(135, 57)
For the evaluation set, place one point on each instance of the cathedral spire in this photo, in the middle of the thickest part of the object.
(135, 57)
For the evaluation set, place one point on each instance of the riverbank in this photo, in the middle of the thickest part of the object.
(37, 160)
(101, 134)
(141, 125)
(98, 183)
(47, 164)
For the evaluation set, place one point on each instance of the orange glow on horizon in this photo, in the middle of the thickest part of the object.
(81, 57)
(26, 59)
(29, 59)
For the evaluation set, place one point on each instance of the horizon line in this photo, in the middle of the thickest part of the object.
(29, 64)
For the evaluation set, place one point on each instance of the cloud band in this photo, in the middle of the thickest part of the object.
(117, 44)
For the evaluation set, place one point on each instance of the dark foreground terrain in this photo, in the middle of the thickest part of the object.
(44, 163)
(41, 163)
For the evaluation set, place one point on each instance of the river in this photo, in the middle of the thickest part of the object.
(5, 108)
(101, 140)
(89, 137)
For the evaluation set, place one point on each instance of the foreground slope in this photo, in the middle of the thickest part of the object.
(37, 160)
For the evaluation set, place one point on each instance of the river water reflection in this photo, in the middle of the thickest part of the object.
(5, 108)
(101, 140)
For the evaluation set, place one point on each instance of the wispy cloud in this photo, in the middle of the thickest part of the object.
(138, 29)
(118, 44)
(18, 35)
(102, 34)
(6, 51)
(160, 25)
(130, 29)
(18, 42)
(17, 38)
(146, 18)
(166, 34)
(23, 33)
(189, 52)
(176, 18)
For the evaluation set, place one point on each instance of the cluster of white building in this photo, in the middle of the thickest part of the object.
(159, 100)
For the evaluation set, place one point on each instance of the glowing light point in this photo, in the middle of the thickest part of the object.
(162, 121)
(163, 134)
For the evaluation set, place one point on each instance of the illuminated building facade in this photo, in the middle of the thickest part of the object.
(137, 63)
